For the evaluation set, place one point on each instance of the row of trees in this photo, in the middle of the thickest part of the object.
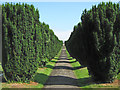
(95, 41)
(27, 43)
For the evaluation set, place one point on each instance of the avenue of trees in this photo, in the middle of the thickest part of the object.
(95, 41)
(26, 42)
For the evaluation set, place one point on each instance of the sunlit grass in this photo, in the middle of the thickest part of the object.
(43, 74)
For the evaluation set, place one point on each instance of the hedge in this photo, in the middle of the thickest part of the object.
(26, 42)
(95, 41)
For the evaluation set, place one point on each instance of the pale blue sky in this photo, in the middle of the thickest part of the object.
(62, 16)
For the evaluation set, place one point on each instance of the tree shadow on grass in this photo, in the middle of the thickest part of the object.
(53, 61)
(49, 66)
(84, 81)
(40, 78)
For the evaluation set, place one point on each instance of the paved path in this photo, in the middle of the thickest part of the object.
(62, 75)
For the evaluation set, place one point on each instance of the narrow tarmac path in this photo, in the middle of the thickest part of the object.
(62, 75)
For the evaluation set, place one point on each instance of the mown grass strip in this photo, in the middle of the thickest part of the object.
(43, 73)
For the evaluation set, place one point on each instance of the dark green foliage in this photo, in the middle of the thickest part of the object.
(27, 43)
(95, 42)
(49, 42)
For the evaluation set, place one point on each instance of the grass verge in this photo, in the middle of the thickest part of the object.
(39, 79)
(85, 81)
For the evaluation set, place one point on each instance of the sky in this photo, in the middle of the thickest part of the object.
(61, 16)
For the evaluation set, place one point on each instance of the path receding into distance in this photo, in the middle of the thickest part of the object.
(62, 75)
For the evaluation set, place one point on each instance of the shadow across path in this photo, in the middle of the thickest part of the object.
(60, 61)
(64, 67)
(62, 75)
(58, 80)
(68, 68)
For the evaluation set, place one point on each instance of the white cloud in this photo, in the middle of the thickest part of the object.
(63, 35)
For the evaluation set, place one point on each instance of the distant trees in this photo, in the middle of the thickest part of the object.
(26, 42)
(95, 42)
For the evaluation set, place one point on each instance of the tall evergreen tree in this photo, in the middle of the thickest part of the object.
(25, 38)
(98, 41)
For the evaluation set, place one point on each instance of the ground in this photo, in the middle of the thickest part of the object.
(64, 72)
(62, 75)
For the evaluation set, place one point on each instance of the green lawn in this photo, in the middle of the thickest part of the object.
(43, 73)
(84, 80)
(40, 77)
